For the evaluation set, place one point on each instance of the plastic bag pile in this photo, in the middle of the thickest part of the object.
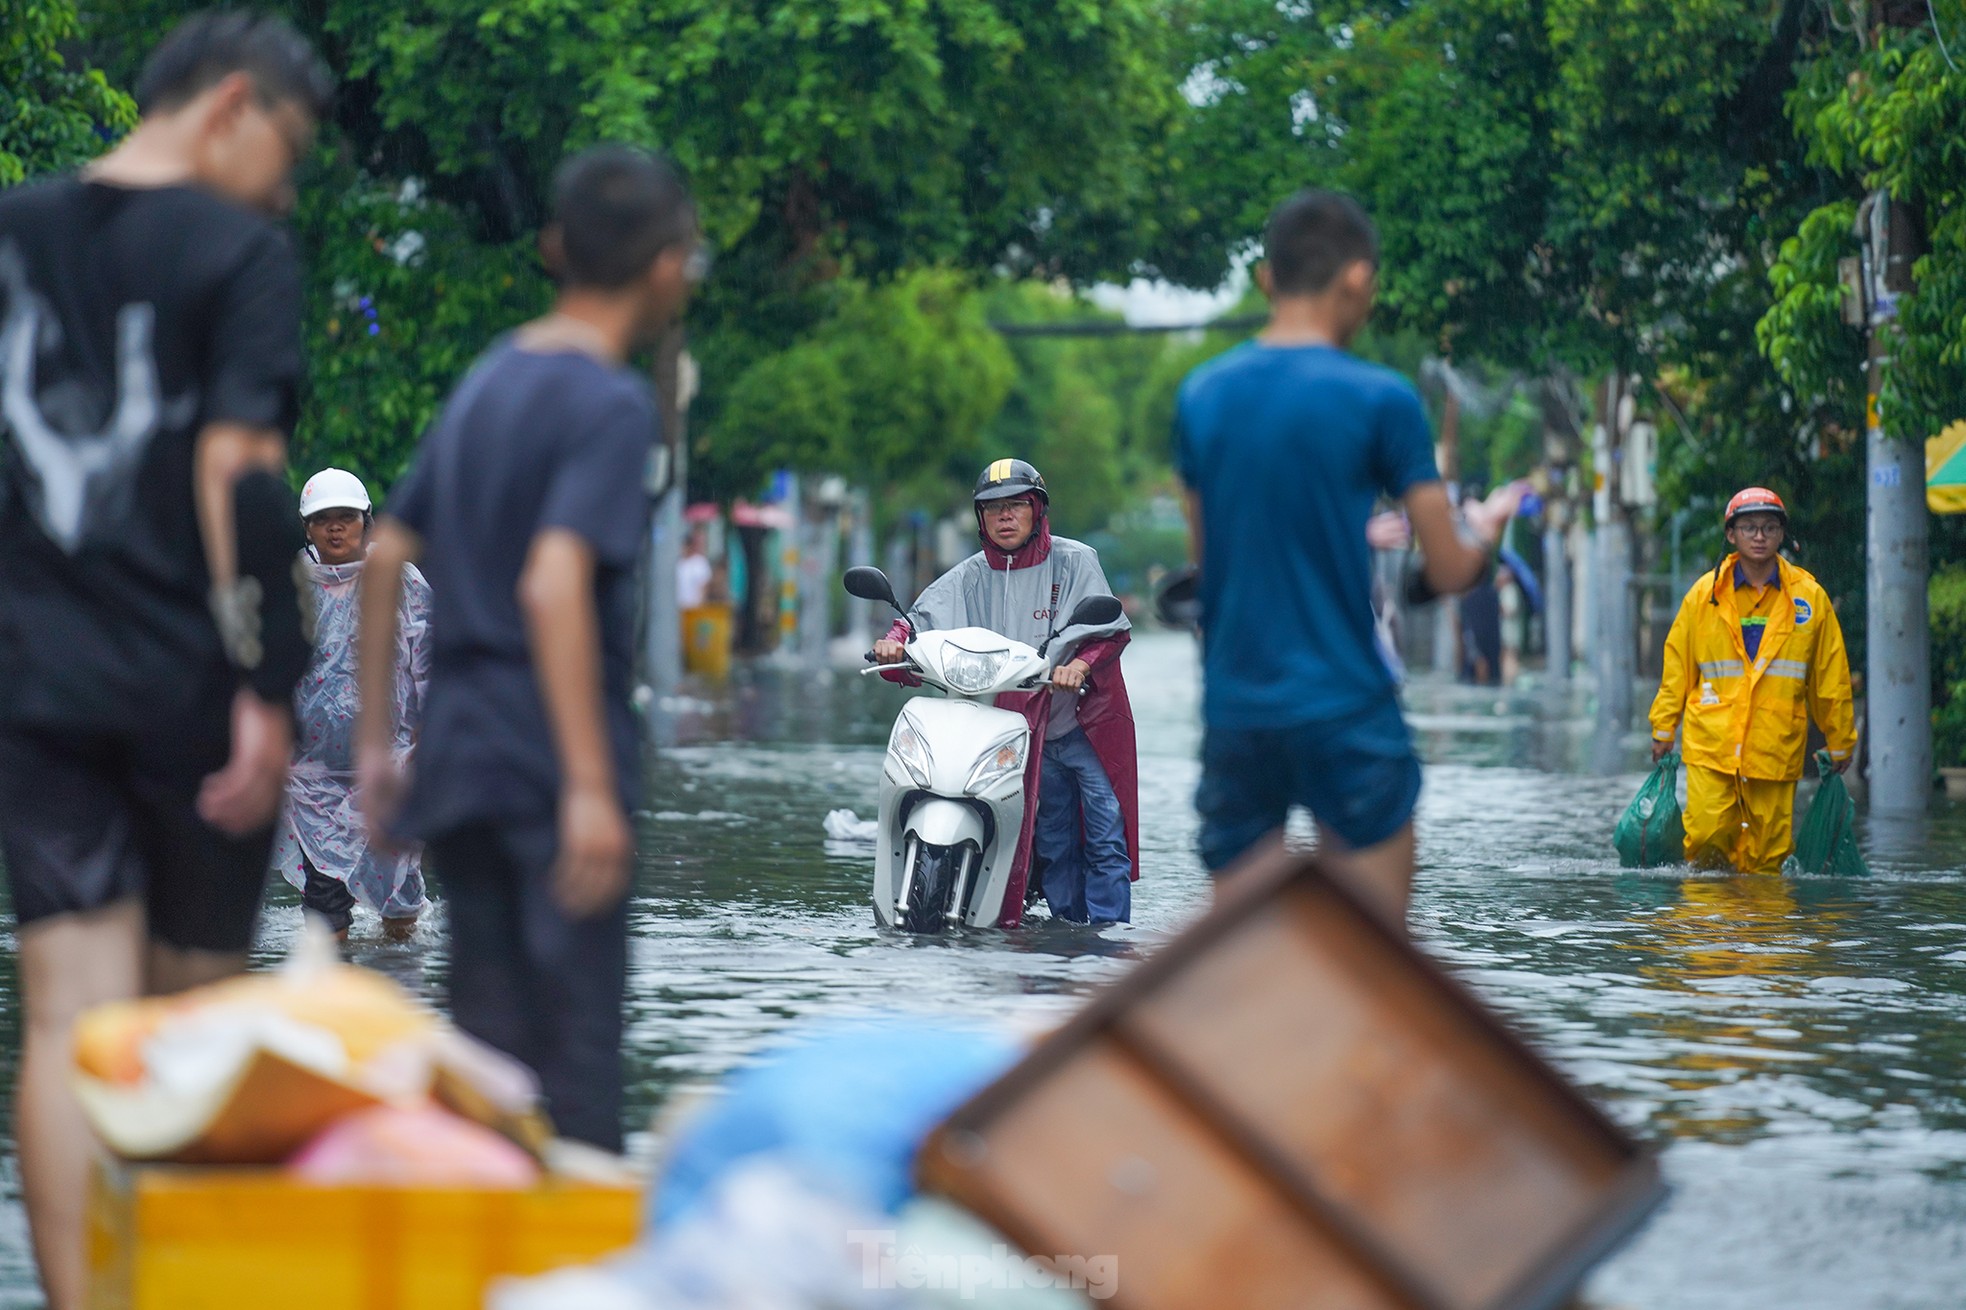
(794, 1189)
(333, 1071)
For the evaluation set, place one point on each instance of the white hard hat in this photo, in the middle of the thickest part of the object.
(333, 489)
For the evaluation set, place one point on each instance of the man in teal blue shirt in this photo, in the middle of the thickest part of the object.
(1285, 444)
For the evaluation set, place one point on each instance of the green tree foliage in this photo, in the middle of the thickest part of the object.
(1073, 410)
(1251, 130)
(1875, 114)
(1573, 185)
(1886, 115)
(1881, 116)
(827, 140)
(52, 115)
(1557, 180)
(1948, 607)
(400, 300)
(893, 387)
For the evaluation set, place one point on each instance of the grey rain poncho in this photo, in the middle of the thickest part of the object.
(1020, 594)
(321, 819)
(1022, 603)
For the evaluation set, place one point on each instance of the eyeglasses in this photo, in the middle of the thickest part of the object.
(1759, 528)
(1007, 509)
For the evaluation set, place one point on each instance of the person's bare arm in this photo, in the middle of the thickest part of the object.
(1452, 563)
(379, 781)
(244, 795)
(225, 452)
(556, 595)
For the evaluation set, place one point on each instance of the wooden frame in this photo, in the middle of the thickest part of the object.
(1290, 1105)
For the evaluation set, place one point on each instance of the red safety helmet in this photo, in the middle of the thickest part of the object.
(1755, 500)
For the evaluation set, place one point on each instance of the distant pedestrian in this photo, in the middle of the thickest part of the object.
(1480, 612)
(324, 848)
(1284, 443)
(527, 506)
(1508, 592)
(693, 571)
(149, 367)
(1754, 654)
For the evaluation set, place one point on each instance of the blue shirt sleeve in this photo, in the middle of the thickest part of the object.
(1403, 444)
(598, 485)
(1185, 463)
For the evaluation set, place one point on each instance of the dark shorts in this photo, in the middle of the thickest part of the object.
(1357, 775)
(88, 819)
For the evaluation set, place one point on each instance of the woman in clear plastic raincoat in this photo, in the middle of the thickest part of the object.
(323, 847)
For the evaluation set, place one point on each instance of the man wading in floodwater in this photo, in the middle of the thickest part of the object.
(1082, 839)
(527, 505)
(324, 848)
(1753, 655)
(1284, 443)
(150, 626)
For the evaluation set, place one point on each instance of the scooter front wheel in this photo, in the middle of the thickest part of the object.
(931, 884)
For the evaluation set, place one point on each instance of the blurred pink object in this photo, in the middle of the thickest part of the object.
(423, 1147)
(1388, 531)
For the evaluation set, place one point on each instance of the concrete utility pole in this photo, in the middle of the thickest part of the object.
(1556, 590)
(675, 386)
(860, 550)
(1447, 632)
(1559, 454)
(1616, 662)
(819, 570)
(1898, 681)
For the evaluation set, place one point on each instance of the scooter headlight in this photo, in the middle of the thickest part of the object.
(996, 763)
(972, 671)
(907, 746)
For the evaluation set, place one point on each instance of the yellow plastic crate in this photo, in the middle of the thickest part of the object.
(187, 1238)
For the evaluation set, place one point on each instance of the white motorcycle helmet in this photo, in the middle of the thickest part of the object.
(334, 489)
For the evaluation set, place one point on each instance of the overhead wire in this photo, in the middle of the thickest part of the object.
(1932, 11)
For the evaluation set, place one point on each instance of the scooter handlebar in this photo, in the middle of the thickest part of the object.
(1042, 682)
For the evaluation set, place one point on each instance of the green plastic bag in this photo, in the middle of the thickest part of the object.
(1827, 841)
(1650, 833)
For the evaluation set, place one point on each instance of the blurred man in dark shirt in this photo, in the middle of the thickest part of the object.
(150, 629)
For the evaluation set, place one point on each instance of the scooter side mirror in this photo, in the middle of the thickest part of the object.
(1177, 601)
(1095, 611)
(868, 583)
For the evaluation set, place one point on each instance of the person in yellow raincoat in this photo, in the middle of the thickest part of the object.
(1753, 655)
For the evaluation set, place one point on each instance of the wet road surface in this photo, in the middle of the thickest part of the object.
(1795, 1045)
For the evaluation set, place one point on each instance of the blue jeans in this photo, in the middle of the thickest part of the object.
(1078, 849)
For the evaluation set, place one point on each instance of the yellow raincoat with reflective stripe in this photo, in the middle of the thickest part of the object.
(1751, 718)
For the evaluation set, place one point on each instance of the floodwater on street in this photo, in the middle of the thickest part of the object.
(1794, 1046)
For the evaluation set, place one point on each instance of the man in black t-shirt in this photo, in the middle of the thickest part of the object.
(150, 634)
(526, 509)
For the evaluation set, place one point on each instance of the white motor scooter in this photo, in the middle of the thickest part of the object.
(952, 789)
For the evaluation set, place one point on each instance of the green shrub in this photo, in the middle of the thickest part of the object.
(1949, 729)
(1947, 605)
